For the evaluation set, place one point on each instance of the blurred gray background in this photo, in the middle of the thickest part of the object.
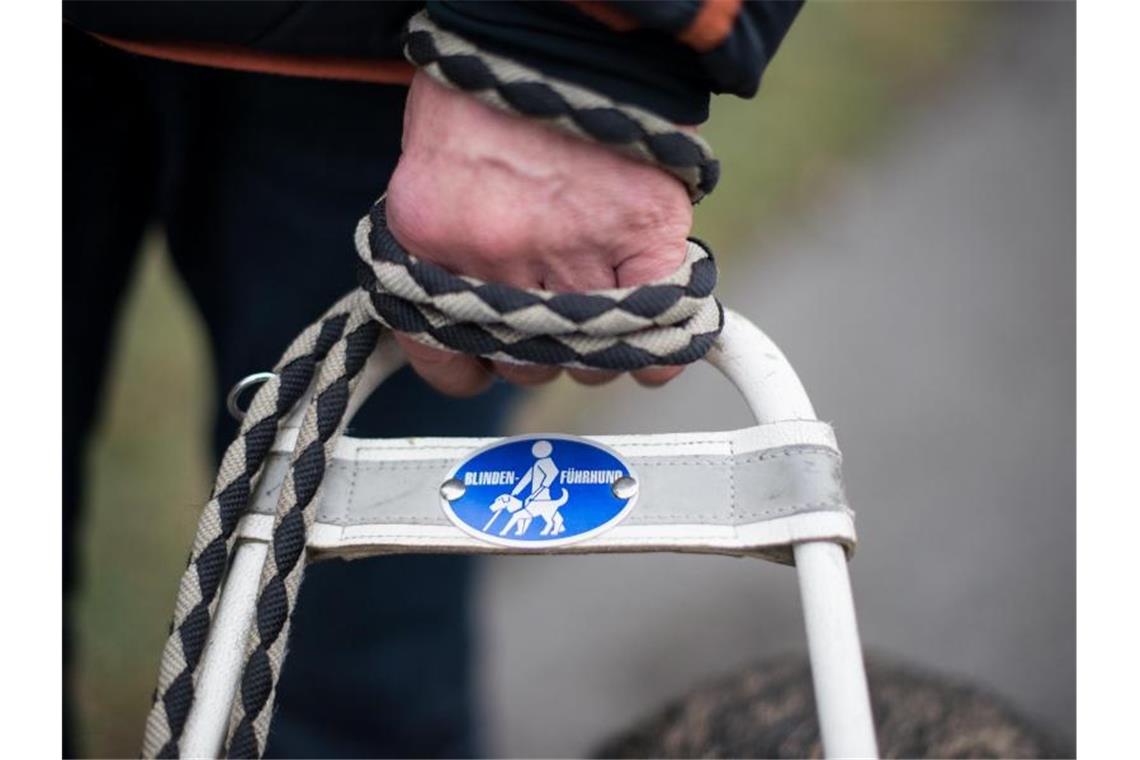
(897, 212)
(928, 305)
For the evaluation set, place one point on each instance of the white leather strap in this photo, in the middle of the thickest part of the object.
(751, 492)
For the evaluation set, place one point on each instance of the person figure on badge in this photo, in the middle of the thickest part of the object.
(541, 477)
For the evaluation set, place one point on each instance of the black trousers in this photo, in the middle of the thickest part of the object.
(258, 182)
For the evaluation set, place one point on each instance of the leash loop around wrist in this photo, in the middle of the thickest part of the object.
(509, 86)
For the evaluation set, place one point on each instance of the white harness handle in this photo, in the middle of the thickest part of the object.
(817, 539)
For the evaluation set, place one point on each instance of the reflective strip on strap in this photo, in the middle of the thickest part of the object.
(749, 492)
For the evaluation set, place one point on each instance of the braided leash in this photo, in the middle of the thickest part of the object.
(670, 322)
(508, 86)
(214, 539)
(285, 562)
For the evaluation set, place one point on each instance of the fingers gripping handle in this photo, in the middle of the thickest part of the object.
(743, 353)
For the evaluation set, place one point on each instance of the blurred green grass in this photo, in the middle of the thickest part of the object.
(148, 476)
(840, 78)
(839, 82)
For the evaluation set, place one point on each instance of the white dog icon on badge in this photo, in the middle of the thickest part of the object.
(538, 503)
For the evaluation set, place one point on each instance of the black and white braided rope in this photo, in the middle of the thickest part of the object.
(214, 538)
(507, 85)
(669, 322)
(285, 563)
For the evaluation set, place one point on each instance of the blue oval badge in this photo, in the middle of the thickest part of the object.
(539, 490)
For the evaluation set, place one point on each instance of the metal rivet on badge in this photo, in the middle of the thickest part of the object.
(452, 489)
(624, 487)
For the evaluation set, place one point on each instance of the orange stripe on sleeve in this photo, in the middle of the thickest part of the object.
(614, 18)
(377, 71)
(711, 25)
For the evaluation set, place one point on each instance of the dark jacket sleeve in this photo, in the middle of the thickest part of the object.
(666, 56)
(351, 29)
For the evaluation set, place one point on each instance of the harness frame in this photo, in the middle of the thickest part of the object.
(754, 364)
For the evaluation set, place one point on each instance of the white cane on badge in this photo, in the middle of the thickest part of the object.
(494, 516)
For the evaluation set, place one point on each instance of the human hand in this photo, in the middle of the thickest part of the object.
(495, 196)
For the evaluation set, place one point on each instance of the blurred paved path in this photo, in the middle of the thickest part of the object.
(928, 306)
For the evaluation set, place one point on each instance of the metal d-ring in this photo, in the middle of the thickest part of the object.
(257, 378)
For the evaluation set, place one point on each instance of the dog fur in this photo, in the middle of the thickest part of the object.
(768, 710)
